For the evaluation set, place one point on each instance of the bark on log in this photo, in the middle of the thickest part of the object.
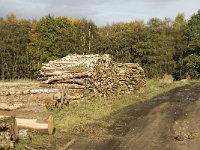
(64, 70)
(69, 76)
(8, 131)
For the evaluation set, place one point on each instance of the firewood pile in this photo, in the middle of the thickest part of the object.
(81, 76)
(104, 79)
(131, 76)
(8, 132)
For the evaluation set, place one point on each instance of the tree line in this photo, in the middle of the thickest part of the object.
(159, 46)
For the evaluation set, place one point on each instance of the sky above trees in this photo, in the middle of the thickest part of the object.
(102, 12)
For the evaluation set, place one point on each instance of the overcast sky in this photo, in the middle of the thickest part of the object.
(102, 12)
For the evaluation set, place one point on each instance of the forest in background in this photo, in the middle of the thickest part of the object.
(159, 46)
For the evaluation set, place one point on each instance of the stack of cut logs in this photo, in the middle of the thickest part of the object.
(80, 76)
(131, 76)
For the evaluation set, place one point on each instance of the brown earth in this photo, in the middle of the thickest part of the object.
(168, 122)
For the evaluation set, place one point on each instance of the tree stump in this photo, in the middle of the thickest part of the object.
(8, 131)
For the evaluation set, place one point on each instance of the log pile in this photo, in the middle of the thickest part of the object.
(104, 80)
(8, 132)
(81, 76)
(131, 76)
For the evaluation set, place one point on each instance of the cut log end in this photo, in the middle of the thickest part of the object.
(50, 124)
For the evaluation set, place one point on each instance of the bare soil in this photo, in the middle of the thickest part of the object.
(169, 122)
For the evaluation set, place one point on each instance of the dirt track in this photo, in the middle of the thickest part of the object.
(167, 122)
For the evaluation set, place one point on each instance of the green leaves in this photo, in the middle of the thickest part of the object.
(160, 46)
(13, 44)
(194, 34)
(192, 65)
(192, 54)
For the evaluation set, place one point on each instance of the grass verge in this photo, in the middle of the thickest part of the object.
(91, 110)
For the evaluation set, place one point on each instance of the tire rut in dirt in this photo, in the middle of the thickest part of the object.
(151, 123)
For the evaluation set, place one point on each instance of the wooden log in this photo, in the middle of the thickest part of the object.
(29, 148)
(46, 73)
(69, 76)
(42, 78)
(9, 107)
(72, 86)
(73, 81)
(62, 70)
(43, 90)
(62, 65)
(34, 125)
(65, 147)
(63, 86)
(4, 93)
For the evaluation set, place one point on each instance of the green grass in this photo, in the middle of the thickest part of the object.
(89, 111)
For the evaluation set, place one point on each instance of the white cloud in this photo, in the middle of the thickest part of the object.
(100, 11)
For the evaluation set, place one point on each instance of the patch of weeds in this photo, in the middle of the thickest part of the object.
(35, 141)
(154, 87)
(39, 140)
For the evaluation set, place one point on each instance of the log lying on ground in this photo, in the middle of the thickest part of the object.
(9, 126)
(9, 107)
(32, 124)
(8, 131)
(38, 90)
(63, 98)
